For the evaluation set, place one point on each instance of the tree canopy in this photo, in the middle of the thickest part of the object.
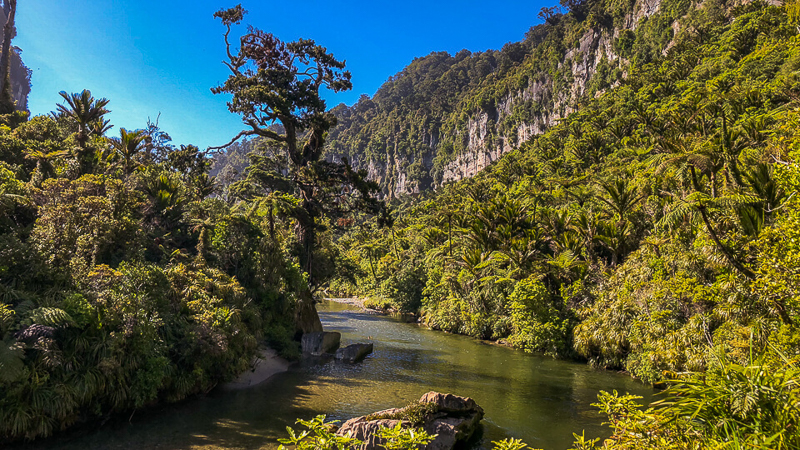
(275, 87)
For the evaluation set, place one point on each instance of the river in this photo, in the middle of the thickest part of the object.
(538, 399)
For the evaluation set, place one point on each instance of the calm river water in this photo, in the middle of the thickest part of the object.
(538, 399)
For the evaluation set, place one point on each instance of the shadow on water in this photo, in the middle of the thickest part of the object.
(540, 400)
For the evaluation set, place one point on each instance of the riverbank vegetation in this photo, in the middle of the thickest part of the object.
(126, 279)
(124, 282)
(653, 231)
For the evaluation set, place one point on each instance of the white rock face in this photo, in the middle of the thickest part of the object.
(544, 100)
(593, 47)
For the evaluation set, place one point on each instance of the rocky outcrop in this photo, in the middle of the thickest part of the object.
(306, 318)
(407, 152)
(486, 144)
(354, 352)
(320, 342)
(19, 72)
(450, 403)
(451, 418)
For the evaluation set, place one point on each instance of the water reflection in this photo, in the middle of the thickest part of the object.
(537, 399)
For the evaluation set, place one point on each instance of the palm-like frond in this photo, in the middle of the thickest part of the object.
(84, 110)
(127, 146)
(620, 197)
(680, 212)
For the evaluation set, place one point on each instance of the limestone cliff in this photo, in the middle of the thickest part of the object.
(444, 117)
(20, 74)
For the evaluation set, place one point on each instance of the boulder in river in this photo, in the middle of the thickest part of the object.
(452, 418)
(320, 342)
(306, 318)
(354, 352)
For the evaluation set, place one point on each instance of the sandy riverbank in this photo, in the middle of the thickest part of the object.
(354, 301)
(266, 365)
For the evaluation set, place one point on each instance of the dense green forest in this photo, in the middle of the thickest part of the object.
(124, 280)
(440, 117)
(655, 229)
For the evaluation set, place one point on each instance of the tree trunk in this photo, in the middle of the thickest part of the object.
(6, 99)
(306, 236)
(394, 244)
(723, 248)
(272, 220)
(713, 178)
(372, 266)
(695, 181)
(450, 234)
(306, 317)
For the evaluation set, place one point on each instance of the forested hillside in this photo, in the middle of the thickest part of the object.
(446, 117)
(654, 230)
(619, 188)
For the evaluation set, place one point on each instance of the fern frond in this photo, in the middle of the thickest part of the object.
(734, 201)
(52, 317)
(678, 213)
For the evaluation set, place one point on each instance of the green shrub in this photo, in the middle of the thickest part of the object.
(321, 435)
(538, 324)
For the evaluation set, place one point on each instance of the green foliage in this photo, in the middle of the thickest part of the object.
(321, 435)
(650, 226)
(510, 444)
(416, 413)
(537, 324)
(731, 405)
(400, 438)
(122, 284)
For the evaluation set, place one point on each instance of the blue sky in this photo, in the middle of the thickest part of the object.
(164, 56)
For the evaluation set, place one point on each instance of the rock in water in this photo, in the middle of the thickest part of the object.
(450, 403)
(454, 419)
(306, 318)
(354, 352)
(320, 342)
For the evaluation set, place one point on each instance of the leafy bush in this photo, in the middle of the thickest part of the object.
(537, 324)
(756, 405)
(416, 413)
(321, 435)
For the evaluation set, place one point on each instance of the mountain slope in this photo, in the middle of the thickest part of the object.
(446, 117)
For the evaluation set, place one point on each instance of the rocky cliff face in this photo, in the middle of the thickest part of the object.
(20, 73)
(594, 47)
(20, 80)
(483, 125)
